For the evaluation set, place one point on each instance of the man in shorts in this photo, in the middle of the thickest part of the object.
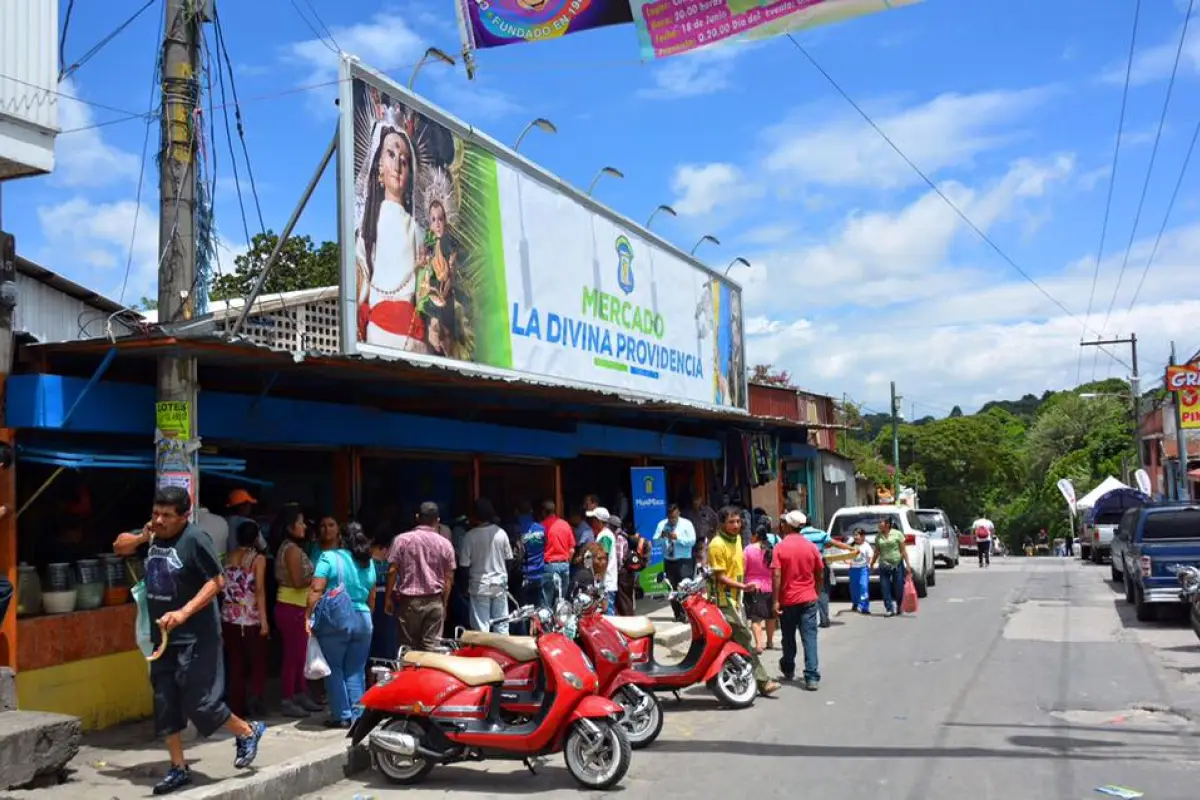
(183, 578)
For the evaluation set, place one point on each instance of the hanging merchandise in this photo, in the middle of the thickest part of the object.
(764, 459)
(494, 23)
(670, 27)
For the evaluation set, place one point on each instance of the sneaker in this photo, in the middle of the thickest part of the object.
(246, 747)
(769, 688)
(175, 779)
(308, 703)
(811, 686)
(291, 708)
(890, 613)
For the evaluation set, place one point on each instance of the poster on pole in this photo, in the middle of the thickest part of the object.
(1184, 380)
(494, 23)
(468, 256)
(670, 27)
(649, 500)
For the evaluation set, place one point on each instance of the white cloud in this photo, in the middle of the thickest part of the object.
(768, 234)
(1155, 63)
(948, 131)
(90, 242)
(83, 159)
(693, 74)
(387, 42)
(703, 188)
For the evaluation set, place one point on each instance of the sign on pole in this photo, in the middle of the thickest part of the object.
(649, 500)
(1184, 380)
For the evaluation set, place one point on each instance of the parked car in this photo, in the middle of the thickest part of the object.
(966, 542)
(1101, 521)
(918, 543)
(942, 535)
(1151, 543)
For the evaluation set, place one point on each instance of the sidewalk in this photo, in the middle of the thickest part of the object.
(122, 763)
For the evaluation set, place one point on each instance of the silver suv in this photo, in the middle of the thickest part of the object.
(942, 535)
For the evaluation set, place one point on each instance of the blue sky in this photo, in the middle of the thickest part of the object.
(860, 275)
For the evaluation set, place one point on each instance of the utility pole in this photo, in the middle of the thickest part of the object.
(175, 412)
(1135, 387)
(1182, 490)
(895, 445)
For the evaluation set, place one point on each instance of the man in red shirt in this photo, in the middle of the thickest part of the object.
(798, 571)
(560, 546)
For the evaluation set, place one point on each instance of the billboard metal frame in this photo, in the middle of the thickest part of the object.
(351, 69)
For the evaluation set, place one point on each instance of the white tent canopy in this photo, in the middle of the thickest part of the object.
(1107, 485)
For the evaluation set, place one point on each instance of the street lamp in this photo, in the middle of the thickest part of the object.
(705, 238)
(738, 260)
(665, 209)
(541, 124)
(610, 171)
(433, 53)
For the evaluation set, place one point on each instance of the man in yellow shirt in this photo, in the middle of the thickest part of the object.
(728, 567)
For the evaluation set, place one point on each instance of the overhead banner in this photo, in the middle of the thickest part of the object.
(649, 500)
(670, 27)
(493, 23)
(1184, 380)
(468, 257)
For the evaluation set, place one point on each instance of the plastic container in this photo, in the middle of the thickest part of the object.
(61, 602)
(92, 584)
(29, 591)
(116, 589)
(59, 578)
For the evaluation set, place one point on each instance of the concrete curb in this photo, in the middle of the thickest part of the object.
(301, 775)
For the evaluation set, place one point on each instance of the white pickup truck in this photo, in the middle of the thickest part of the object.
(1096, 543)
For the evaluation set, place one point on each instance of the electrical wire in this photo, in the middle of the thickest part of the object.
(937, 190)
(63, 74)
(334, 48)
(41, 95)
(1137, 215)
(1112, 180)
(62, 40)
(237, 111)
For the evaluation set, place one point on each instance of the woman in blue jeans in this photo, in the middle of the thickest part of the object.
(346, 652)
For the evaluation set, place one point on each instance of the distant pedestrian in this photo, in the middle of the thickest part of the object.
(420, 578)
(797, 572)
(860, 573)
(532, 548)
(823, 541)
(760, 605)
(560, 549)
(679, 542)
(891, 555)
(985, 531)
(486, 552)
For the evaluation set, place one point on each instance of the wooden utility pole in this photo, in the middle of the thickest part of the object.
(1135, 388)
(175, 412)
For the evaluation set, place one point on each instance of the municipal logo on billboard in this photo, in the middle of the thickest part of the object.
(625, 265)
(648, 484)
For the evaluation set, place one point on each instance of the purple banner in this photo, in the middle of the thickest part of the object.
(493, 23)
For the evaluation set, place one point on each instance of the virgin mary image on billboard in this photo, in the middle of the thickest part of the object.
(420, 250)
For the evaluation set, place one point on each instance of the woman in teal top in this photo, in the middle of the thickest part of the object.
(346, 653)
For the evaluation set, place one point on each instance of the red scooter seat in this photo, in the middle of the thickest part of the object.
(633, 627)
(518, 648)
(471, 671)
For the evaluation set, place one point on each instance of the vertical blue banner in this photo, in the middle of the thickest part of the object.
(649, 499)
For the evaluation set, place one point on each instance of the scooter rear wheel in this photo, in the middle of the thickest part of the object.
(641, 729)
(401, 769)
(734, 685)
(597, 761)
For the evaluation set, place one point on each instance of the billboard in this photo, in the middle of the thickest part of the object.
(466, 255)
(670, 27)
(492, 23)
(1184, 380)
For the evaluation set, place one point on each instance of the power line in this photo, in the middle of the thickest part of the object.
(1137, 215)
(1112, 180)
(42, 95)
(62, 40)
(934, 187)
(237, 111)
(328, 34)
(63, 74)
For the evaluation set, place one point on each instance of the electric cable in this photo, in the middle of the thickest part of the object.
(63, 74)
(335, 48)
(937, 190)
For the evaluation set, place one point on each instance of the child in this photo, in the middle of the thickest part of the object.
(860, 574)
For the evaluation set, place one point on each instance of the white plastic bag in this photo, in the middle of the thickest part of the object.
(142, 626)
(315, 666)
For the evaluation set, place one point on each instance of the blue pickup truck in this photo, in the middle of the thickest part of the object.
(1150, 543)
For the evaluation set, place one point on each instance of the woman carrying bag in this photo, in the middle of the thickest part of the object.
(340, 605)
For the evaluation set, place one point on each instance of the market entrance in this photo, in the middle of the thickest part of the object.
(394, 486)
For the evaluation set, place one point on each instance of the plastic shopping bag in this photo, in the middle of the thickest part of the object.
(909, 603)
(315, 665)
(142, 626)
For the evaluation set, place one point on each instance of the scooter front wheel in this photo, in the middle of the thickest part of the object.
(597, 753)
(643, 719)
(399, 767)
(734, 685)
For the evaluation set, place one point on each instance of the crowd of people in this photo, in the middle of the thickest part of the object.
(223, 588)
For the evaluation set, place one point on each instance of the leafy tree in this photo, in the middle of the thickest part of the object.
(301, 265)
(146, 304)
(767, 374)
(956, 412)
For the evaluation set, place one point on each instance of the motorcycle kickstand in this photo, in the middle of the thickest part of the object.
(678, 699)
(533, 763)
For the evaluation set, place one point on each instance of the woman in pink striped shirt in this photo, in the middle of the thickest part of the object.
(759, 607)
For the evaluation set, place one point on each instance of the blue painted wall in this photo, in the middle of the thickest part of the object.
(42, 401)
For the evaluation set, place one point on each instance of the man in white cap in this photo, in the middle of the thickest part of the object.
(823, 541)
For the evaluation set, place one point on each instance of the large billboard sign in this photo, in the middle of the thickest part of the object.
(493, 23)
(465, 254)
(1184, 380)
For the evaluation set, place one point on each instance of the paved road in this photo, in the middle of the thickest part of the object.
(1027, 680)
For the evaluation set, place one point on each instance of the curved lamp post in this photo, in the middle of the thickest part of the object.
(433, 53)
(610, 171)
(541, 124)
(705, 238)
(665, 209)
(738, 260)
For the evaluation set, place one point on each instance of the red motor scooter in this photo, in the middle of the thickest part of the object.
(713, 658)
(524, 686)
(443, 709)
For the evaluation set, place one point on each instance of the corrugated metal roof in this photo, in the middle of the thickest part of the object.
(70, 287)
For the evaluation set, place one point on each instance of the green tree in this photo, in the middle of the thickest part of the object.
(301, 265)
(146, 304)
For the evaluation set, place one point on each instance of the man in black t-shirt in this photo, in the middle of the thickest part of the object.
(183, 579)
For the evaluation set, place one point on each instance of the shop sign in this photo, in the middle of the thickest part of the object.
(649, 500)
(467, 255)
(1184, 380)
(173, 418)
